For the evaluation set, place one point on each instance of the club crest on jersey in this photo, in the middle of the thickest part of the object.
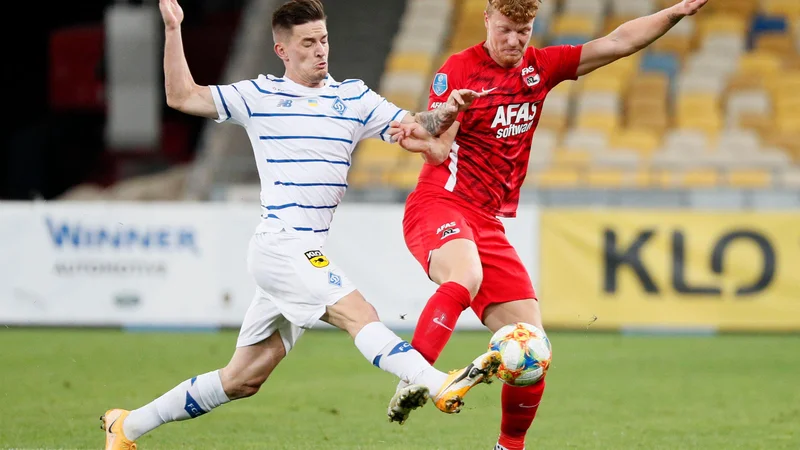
(530, 76)
(440, 83)
(317, 259)
(339, 106)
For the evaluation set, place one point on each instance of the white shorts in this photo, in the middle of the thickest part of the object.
(295, 283)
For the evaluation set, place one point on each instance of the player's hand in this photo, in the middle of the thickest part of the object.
(461, 99)
(414, 138)
(171, 12)
(690, 7)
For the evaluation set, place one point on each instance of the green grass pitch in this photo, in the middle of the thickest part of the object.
(605, 391)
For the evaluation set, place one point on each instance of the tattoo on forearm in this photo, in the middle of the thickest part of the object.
(435, 122)
(674, 19)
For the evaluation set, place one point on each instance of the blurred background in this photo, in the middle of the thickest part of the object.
(662, 198)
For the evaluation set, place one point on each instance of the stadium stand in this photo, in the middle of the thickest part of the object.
(714, 103)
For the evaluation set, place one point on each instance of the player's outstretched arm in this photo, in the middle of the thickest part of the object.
(634, 35)
(183, 93)
(441, 119)
(416, 139)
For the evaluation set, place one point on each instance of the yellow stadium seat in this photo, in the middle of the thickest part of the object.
(651, 84)
(750, 178)
(788, 141)
(557, 177)
(782, 83)
(420, 63)
(361, 178)
(605, 122)
(404, 178)
(642, 178)
(700, 178)
(654, 119)
(572, 25)
(743, 8)
(377, 153)
(603, 82)
(697, 103)
(744, 82)
(641, 140)
(787, 122)
(788, 8)
(605, 178)
(407, 101)
(777, 44)
(571, 158)
(613, 22)
(788, 104)
(759, 64)
(671, 43)
(710, 124)
(721, 23)
(553, 122)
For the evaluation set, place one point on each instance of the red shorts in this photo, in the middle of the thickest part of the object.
(433, 218)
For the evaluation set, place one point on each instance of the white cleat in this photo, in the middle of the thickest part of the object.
(405, 400)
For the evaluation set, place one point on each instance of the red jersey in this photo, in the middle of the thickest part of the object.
(489, 159)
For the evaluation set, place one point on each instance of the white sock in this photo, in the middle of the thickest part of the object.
(188, 400)
(390, 353)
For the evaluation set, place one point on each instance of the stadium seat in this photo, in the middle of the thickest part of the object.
(374, 153)
(643, 141)
(590, 8)
(786, 8)
(666, 63)
(603, 122)
(764, 24)
(556, 177)
(759, 64)
(579, 159)
(720, 65)
(619, 158)
(752, 178)
(724, 44)
(738, 142)
(407, 101)
(635, 8)
(590, 141)
(740, 103)
(607, 102)
(575, 25)
(700, 178)
(604, 178)
(418, 63)
(404, 178)
(781, 45)
(602, 82)
(722, 23)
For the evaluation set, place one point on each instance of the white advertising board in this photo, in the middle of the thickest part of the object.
(184, 264)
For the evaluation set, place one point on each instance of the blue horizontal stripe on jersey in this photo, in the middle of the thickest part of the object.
(288, 161)
(224, 104)
(356, 98)
(336, 86)
(390, 121)
(296, 205)
(318, 138)
(353, 119)
(284, 94)
(288, 183)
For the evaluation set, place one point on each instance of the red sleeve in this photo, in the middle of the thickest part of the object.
(560, 63)
(446, 79)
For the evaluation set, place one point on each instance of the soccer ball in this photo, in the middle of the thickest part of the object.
(525, 351)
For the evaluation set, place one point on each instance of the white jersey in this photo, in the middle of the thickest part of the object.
(303, 139)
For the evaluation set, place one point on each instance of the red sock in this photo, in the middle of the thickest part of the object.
(438, 318)
(519, 408)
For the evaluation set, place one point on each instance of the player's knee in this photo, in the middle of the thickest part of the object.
(469, 276)
(242, 385)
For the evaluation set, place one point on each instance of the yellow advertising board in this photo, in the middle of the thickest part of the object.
(619, 268)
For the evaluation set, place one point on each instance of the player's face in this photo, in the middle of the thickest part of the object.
(305, 52)
(506, 39)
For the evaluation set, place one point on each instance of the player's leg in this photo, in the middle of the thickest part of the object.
(505, 281)
(247, 370)
(440, 237)
(387, 351)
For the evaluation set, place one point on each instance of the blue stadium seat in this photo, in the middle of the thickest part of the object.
(762, 24)
(570, 40)
(661, 62)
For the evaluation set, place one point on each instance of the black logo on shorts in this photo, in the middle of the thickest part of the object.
(317, 259)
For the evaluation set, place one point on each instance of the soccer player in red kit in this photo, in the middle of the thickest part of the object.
(450, 223)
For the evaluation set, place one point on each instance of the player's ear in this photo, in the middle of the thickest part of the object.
(280, 50)
(486, 19)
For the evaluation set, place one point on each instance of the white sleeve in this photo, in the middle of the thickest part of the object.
(232, 102)
(377, 114)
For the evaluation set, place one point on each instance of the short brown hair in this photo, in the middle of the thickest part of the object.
(520, 11)
(297, 12)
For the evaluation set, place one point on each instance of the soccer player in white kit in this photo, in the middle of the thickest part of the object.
(303, 128)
